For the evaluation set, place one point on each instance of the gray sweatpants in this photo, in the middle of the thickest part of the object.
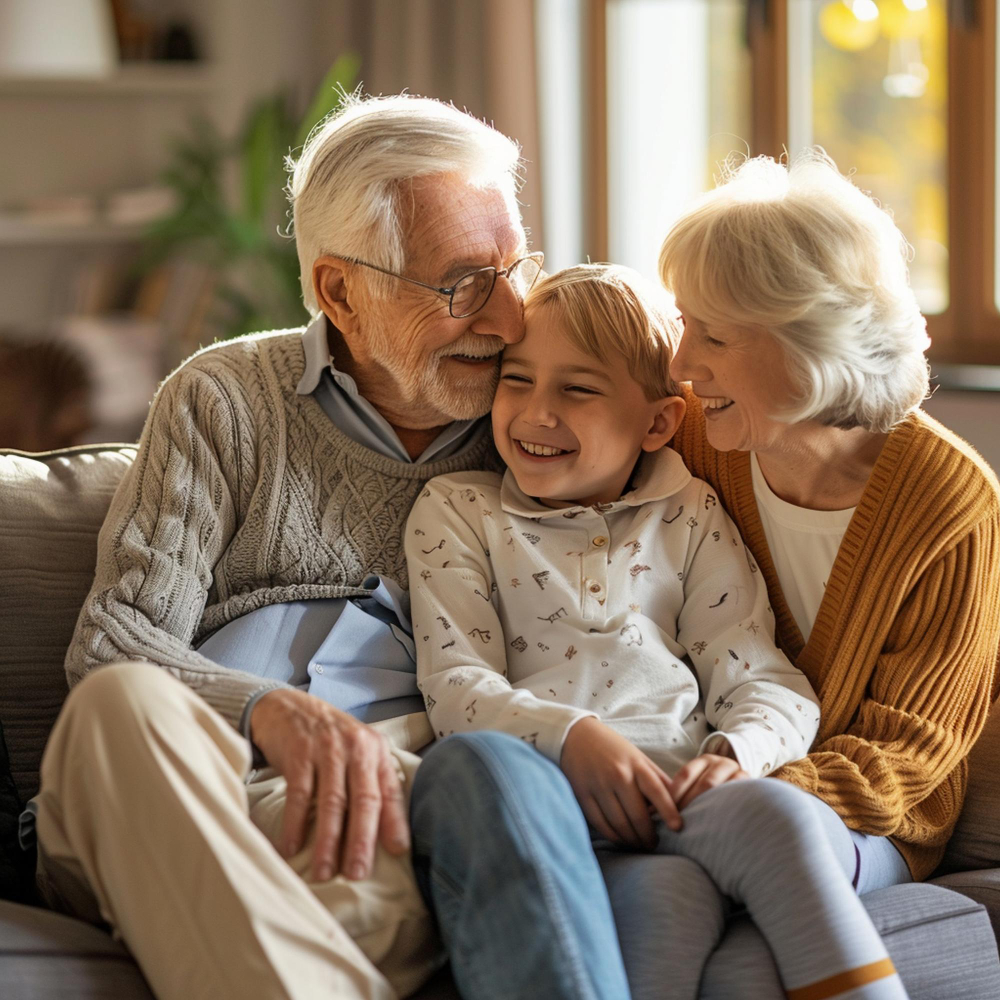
(763, 843)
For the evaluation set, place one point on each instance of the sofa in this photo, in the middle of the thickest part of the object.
(941, 934)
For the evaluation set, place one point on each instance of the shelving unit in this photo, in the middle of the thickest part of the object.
(146, 80)
(22, 232)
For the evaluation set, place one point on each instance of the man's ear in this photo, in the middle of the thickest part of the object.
(669, 414)
(336, 293)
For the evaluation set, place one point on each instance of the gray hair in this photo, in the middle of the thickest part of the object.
(802, 253)
(345, 188)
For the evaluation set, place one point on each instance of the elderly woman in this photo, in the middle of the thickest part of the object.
(876, 530)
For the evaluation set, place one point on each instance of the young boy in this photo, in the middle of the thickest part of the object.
(597, 602)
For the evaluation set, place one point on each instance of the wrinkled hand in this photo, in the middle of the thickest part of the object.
(616, 784)
(699, 775)
(328, 756)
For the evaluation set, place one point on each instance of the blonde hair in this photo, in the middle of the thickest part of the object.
(800, 252)
(607, 309)
(346, 187)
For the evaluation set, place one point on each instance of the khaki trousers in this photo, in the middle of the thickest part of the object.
(151, 821)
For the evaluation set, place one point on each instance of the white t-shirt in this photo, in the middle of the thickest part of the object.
(803, 545)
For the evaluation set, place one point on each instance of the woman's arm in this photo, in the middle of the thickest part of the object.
(928, 696)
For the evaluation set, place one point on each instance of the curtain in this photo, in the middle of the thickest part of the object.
(479, 54)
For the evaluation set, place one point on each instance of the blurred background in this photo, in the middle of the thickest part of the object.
(142, 143)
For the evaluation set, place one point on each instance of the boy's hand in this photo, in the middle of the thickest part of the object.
(699, 775)
(615, 784)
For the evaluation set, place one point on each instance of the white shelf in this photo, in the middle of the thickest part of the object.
(139, 80)
(21, 232)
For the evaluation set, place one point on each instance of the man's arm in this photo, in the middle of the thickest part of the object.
(170, 521)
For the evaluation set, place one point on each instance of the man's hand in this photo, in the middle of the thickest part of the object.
(615, 784)
(328, 756)
(699, 775)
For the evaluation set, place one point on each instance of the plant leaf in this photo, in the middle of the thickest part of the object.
(340, 79)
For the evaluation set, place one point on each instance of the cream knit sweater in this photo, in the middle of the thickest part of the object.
(243, 494)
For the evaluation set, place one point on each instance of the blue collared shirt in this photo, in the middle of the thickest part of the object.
(338, 394)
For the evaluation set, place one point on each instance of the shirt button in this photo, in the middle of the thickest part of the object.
(595, 588)
(319, 670)
(600, 540)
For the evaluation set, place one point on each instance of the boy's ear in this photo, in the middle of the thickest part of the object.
(669, 414)
(333, 291)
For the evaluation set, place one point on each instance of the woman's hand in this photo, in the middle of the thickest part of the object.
(615, 784)
(699, 775)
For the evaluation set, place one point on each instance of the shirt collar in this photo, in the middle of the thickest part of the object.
(317, 352)
(661, 475)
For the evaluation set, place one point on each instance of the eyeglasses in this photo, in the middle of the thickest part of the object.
(472, 291)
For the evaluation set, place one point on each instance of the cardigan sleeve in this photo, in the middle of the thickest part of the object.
(169, 522)
(928, 696)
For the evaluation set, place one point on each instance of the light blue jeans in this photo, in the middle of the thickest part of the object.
(503, 856)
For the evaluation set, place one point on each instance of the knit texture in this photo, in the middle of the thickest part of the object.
(243, 494)
(903, 652)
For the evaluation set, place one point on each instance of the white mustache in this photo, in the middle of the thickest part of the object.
(478, 348)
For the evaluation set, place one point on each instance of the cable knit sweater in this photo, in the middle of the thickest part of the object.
(903, 651)
(243, 494)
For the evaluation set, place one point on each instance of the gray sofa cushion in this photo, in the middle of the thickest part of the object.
(51, 508)
(941, 944)
(45, 955)
(976, 840)
(982, 886)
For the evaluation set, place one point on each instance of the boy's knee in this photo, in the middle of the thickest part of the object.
(761, 806)
(485, 776)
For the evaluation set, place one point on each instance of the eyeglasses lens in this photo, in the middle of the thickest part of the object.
(472, 292)
(524, 275)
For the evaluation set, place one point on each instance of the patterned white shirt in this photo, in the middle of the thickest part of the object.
(648, 613)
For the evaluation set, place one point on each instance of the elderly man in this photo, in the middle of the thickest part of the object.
(250, 595)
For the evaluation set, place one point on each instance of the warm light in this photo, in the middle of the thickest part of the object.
(904, 18)
(865, 10)
(844, 30)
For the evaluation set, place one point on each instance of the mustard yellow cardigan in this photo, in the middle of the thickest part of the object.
(903, 652)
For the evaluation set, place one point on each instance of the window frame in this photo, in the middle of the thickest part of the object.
(968, 331)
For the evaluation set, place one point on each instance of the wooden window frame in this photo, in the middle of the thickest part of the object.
(968, 331)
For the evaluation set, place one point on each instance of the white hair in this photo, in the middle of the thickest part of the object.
(802, 253)
(345, 188)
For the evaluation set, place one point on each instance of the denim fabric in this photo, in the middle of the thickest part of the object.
(503, 856)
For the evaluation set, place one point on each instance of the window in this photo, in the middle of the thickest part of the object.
(902, 94)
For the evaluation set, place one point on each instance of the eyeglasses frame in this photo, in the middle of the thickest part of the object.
(450, 292)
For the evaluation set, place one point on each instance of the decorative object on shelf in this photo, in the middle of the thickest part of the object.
(240, 240)
(57, 38)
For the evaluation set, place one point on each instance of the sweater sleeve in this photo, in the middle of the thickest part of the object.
(169, 522)
(928, 696)
(754, 696)
(461, 652)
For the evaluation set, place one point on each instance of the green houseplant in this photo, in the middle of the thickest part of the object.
(231, 214)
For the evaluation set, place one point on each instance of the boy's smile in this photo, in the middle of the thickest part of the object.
(571, 427)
